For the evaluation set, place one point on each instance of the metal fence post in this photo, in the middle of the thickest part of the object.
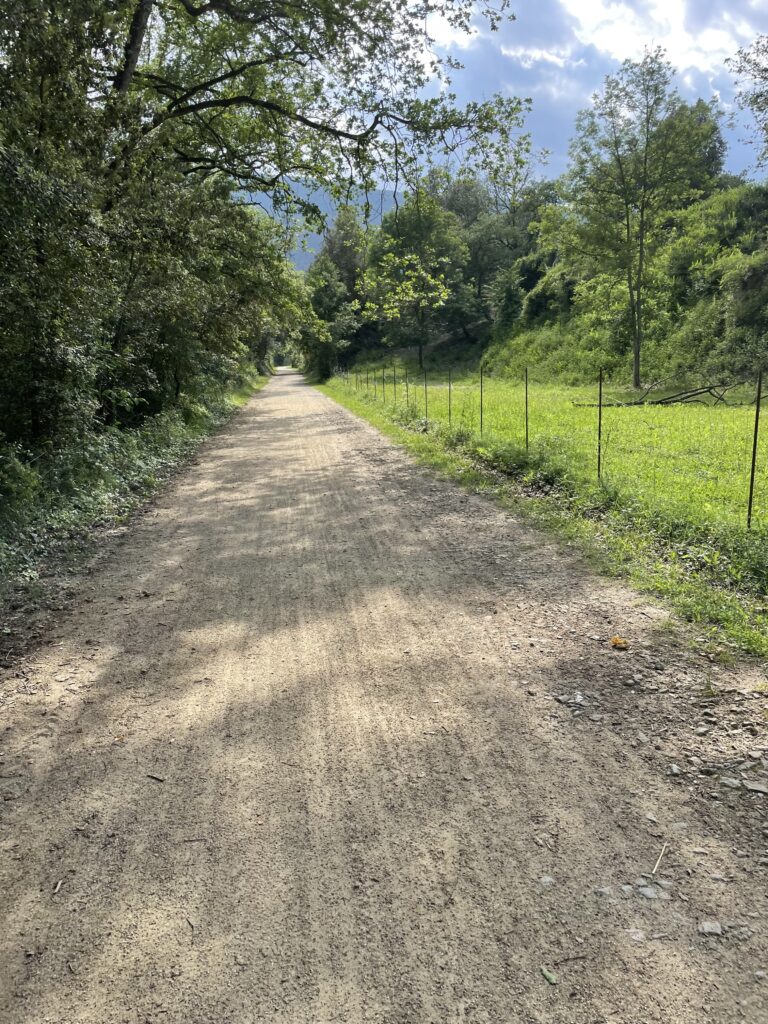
(600, 426)
(367, 385)
(755, 439)
(394, 382)
(526, 408)
(426, 410)
(481, 399)
(383, 385)
(407, 394)
(449, 396)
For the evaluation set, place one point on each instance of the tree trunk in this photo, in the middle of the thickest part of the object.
(638, 333)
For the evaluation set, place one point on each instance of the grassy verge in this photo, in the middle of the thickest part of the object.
(53, 504)
(713, 577)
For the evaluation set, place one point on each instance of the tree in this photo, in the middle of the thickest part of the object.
(639, 153)
(415, 265)
(751, 66)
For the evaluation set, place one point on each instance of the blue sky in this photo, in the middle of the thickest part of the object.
(559, 51)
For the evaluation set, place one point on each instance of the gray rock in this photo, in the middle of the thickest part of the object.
(546, 881)
(730, 783)
(756, 786)
(674, 769)
(710, 928)
(572, 700)
(606, 890)
(649, 892)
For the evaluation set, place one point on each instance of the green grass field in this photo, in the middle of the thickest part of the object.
(670, 510)
(692, 460)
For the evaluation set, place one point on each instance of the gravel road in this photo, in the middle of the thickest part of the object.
(294, 754)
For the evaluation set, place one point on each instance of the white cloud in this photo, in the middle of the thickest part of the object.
(448, 37)
(622, 32)
(528, 57)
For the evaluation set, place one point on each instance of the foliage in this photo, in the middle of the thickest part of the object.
(138, 140)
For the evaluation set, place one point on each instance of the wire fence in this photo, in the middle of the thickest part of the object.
(698, 452)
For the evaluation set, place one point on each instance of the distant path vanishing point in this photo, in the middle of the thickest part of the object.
(294, 755)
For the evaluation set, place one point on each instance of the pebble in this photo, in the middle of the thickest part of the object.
(628, 890)
(760, 975)
(702, 730)
(606, 890)
(710, 928)
(546, 881)
(756, 787)
(674, 769)
(649, 892)
(576, 699)
(731, 783)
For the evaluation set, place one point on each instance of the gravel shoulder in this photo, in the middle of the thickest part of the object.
(324, 738)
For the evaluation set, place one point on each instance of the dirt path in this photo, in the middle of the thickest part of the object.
(294, 756)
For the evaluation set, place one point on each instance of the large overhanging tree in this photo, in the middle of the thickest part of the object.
(281, 96)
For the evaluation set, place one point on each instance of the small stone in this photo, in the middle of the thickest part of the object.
(652, 818)
(756, 787)
(702, 730)
(649, 892)
(637, 934)
(664, 883)
(606, 890)
(546, 881)
(627, 890)
(642, 738)
(730, 783)
(760, 975)
(674, 769)
(710, 928)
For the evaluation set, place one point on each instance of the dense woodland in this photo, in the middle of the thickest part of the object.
(644, 259)
(157, 158)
